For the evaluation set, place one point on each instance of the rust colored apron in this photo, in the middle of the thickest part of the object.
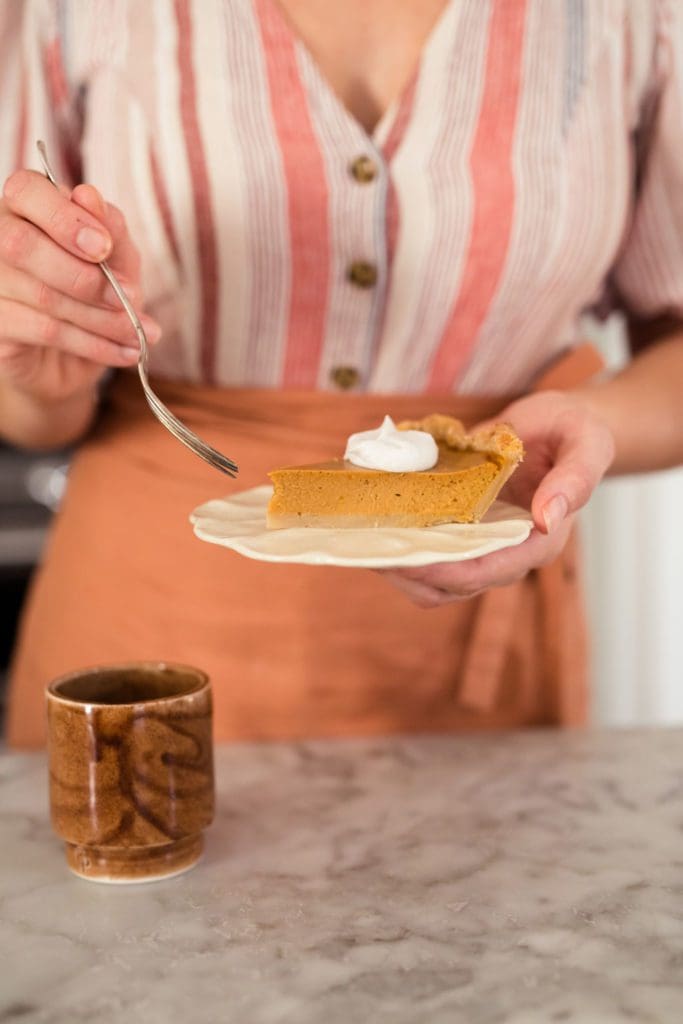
(293, 651)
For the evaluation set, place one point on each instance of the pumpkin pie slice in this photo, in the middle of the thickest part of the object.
(469, 473)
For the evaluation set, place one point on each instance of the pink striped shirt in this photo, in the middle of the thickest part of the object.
(531, 170)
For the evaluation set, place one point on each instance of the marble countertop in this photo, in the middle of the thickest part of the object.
(518, 879)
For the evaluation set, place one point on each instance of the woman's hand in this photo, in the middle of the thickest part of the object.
(568, 450)
(61, 324)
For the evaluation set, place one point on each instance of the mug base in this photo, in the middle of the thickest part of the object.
(134, 864)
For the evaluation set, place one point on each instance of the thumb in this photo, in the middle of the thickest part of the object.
(582, 458)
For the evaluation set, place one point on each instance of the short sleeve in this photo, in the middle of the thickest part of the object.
(646, 281)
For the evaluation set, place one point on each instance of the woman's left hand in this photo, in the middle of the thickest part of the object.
(568, 449)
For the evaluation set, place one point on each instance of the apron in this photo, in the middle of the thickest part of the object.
(293, 651)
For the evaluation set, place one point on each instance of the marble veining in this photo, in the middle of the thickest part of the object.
(529, 878)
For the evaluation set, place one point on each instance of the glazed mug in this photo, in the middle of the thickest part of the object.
(131, 769)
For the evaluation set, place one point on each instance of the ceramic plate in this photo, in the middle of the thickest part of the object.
(239, 522)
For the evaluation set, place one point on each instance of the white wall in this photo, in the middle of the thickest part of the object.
(633, 552)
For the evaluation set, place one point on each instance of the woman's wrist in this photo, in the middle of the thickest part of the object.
(643, 407)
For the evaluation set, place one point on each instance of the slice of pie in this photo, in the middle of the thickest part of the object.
(468, 475)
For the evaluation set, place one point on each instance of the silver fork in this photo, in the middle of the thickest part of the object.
(162, 412)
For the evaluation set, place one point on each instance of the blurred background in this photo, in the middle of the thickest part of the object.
(633, 551)
(633, 554)
(30, 490)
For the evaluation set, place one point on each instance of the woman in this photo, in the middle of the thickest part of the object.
(328, 214)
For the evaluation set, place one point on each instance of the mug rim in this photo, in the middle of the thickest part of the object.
(202, 682)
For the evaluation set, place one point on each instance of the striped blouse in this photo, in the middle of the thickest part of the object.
(531, 169)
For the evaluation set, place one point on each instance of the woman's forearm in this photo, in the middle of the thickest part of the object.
(643, 406)
(36, 423)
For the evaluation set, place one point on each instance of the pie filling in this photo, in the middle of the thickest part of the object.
(467, 477)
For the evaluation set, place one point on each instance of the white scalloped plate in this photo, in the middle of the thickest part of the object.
(239, 523)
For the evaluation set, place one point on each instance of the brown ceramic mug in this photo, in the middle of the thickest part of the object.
(131, 769)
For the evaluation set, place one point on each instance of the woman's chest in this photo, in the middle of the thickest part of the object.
(235, 94)
(498, 181)
(367, 50)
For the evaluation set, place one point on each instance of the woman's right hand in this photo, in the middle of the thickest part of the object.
(61, 325)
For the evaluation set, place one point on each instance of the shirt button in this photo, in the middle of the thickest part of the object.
(363, 169)
(344, 377)
(363, 274)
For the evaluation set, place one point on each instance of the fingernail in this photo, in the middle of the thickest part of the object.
(554, 512)
(93, 243)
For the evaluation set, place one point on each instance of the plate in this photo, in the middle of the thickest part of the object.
(239, 522)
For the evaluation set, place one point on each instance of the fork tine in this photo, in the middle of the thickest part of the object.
(187, 437)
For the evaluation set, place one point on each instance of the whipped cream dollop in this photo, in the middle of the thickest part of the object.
(392, 450)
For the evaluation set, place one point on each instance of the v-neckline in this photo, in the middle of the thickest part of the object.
(379, 134)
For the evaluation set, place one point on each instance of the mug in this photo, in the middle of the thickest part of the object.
(131, 769)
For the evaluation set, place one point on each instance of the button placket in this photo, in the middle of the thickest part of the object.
(355, 329)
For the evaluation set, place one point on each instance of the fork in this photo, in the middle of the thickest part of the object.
(161, 411)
